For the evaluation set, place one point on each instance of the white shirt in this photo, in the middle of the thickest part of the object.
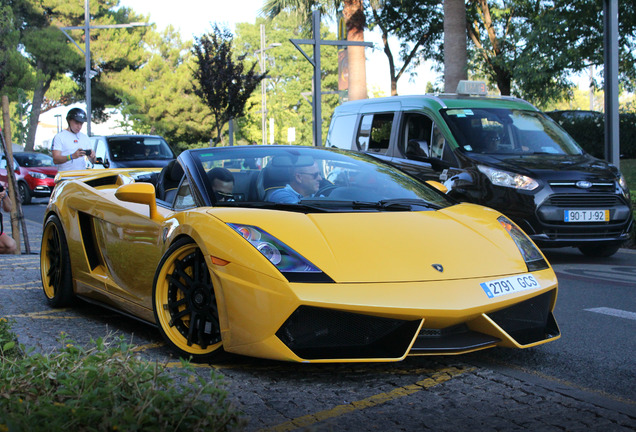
(67, 143)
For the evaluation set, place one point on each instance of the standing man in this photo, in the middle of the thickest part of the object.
(71, 145)
(7, 244)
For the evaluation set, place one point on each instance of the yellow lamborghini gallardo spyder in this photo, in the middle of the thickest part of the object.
(295, 253)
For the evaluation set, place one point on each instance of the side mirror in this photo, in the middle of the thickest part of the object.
(140, 193)
(437, 185)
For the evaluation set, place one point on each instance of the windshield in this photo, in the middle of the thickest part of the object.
(33, 160)
(310, 179)
(139, 148)
(508, 131)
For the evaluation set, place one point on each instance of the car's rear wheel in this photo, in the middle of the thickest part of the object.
(185, 305)
(597, 251)
(25, 193)
(55, 264)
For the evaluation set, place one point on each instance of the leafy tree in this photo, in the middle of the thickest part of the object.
(168, 106)
(355, 20)
(222, 82)
(289, 81)
(531, 48)
(419, 33)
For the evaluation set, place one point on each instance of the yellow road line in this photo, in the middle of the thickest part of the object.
(45, 315)
(435, 379)
(24, 285)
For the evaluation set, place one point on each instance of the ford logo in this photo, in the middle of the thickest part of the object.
(583, 184)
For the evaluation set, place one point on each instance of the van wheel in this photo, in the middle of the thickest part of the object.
(599, 251)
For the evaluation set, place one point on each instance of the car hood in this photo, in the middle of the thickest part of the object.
(553, 167)
(466, 240)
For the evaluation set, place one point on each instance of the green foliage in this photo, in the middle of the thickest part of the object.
(530, 48)
(105, 387)
(288, 83)
(417, 24)
(19, 126)
(223, 83)
(589, 133)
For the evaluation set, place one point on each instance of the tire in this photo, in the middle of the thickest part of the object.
(602, 251)
(55, 265)
(25, 193)
(184, 303)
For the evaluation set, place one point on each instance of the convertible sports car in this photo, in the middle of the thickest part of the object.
(373, 266)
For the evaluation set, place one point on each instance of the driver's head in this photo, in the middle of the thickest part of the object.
(306, 179)
(222, 182)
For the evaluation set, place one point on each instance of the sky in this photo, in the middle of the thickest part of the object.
(193, 17)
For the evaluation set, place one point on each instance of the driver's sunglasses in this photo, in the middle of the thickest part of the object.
(223, 196)
(314, 175)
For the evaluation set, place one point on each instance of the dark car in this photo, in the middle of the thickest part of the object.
(500, 152)
(131, 151)
(34, 172)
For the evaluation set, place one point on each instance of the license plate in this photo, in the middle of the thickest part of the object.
(586, 216)
(499, 287)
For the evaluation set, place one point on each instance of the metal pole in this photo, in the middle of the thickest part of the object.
(87, 57)
(610, 34)
(263, 84)
(317, 97)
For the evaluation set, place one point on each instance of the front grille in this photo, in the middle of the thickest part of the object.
(565, 232)
(316, 333)
(584, 200)
(452, 339)
(529, 321)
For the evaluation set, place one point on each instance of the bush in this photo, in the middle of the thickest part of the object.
(104, 388)
(588, 130)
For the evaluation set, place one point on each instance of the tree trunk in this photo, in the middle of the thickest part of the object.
(356, 22)
(36, 108)
(455, 57)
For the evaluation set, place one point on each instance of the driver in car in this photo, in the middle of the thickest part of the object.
(305, 182)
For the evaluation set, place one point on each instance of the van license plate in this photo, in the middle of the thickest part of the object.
(586, 216)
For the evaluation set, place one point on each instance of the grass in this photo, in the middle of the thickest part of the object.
(105, 387)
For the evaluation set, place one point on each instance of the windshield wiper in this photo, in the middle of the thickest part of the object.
(399, 204)
(300, 207)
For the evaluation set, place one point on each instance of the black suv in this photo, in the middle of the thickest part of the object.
(500, 152)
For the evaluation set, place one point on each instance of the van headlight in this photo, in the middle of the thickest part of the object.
(623, 184)
(531, 255)
(508, 179)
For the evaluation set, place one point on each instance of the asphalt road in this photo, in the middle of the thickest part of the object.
(584, 381)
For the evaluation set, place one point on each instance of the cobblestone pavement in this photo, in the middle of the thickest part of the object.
(423, 393)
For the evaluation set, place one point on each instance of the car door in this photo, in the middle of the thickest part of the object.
(420, 147)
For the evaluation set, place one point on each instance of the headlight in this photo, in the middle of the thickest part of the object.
(37, 175)
(530, 253)
(507, 179)
(623, 184)
(289, 262)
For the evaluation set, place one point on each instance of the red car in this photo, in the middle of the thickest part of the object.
(34, 172)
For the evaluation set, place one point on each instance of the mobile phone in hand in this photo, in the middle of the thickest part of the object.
(88, 152)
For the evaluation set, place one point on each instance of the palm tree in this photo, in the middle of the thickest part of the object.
(355, 20)
(455, 58)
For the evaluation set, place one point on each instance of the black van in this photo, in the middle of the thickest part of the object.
(500, 152)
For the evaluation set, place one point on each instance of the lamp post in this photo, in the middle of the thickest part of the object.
(263, 83)
(87, 53)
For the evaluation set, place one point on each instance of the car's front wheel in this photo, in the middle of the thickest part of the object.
(597, 251)
(185, 305)
(55, 264)
(25, 193)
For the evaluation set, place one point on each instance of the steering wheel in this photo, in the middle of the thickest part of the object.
(325, 189)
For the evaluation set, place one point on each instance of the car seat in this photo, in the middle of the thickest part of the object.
(275, 175)
(168, 181)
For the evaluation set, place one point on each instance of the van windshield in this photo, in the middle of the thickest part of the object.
(139, 148)
(508, 131)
